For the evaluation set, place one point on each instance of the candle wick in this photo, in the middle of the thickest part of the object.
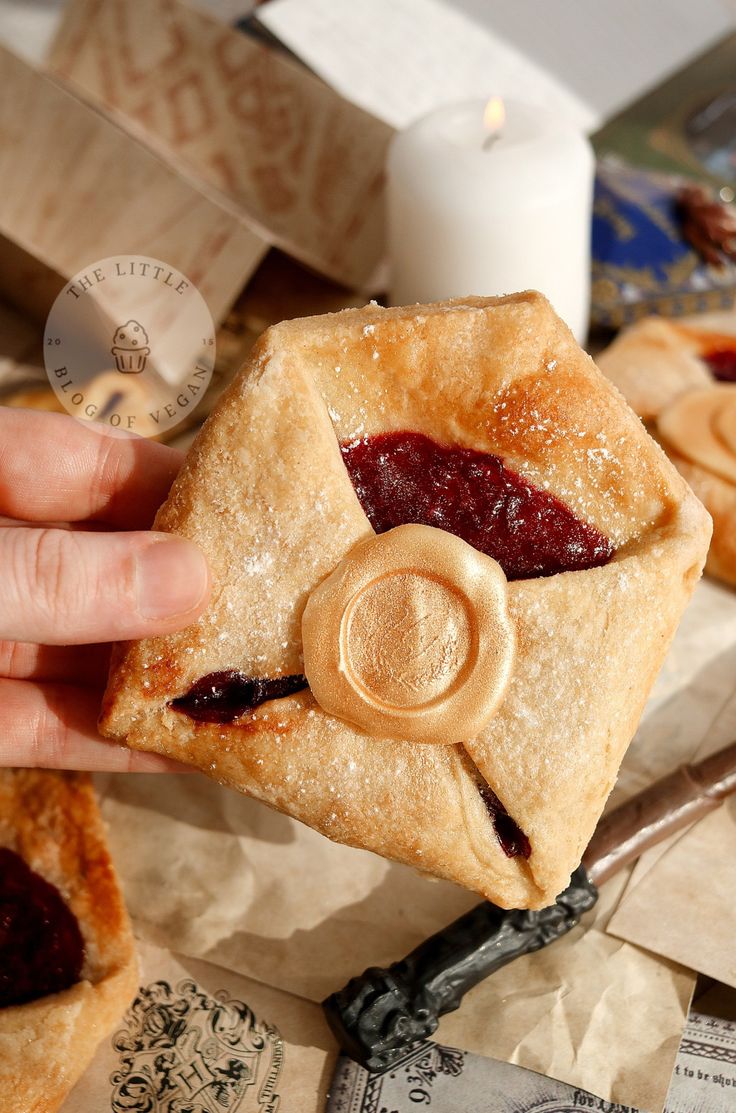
(490, 139)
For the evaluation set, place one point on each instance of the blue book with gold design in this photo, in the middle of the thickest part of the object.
(642, 262)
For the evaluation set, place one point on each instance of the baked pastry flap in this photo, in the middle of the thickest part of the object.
(480, 417)
(68, 967)
(680, 377)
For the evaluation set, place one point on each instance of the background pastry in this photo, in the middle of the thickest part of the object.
(478, 417)
(680, 378)
(67, 961)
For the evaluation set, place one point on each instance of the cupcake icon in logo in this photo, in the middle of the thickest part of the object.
(96, 346)
(130, 348)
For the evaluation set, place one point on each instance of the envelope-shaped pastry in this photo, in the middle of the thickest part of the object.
(68, 967)
(680, 377)
(447, 562)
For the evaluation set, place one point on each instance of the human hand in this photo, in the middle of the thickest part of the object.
(78, 568)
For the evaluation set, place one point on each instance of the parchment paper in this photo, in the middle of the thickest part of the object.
(201, 1037)
(449, 1080)
(692, 880)
(705, 1072)
(213, 875)
(218, 877)
(188, 1042)
(695, 685)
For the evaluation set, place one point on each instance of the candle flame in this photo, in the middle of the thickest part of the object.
(494, 114)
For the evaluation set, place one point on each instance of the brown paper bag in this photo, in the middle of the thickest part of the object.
(302, 166)
(76, 189)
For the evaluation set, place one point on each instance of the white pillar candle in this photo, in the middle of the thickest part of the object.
(485, 201)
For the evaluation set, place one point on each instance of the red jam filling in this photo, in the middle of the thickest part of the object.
(41, 946)
(221, 697)
(722, 363)
(514, 842)
(407, 477)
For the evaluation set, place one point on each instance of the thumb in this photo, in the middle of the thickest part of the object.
(59, 587)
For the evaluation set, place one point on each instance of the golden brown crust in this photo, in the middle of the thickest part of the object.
(502, 375)
(52, 820)
(718, 496)
(653, 364)
(265, 493)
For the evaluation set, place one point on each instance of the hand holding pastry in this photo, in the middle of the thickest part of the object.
(79, 568)
(447, 564)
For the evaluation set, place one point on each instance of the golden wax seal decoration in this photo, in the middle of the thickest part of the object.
(410, 637)
(701, 426)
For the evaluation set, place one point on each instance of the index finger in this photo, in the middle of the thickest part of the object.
(57, 468)
(53, 726)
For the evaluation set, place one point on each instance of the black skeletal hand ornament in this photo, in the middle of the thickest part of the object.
(551, 550)
(381, 1013)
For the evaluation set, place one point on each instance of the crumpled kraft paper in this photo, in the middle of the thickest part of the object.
(695, 684)
(216, 876)
(691, 880)
(198, 1037)
(590, 1010)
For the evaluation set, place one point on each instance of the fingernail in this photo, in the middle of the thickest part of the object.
(171, 578)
